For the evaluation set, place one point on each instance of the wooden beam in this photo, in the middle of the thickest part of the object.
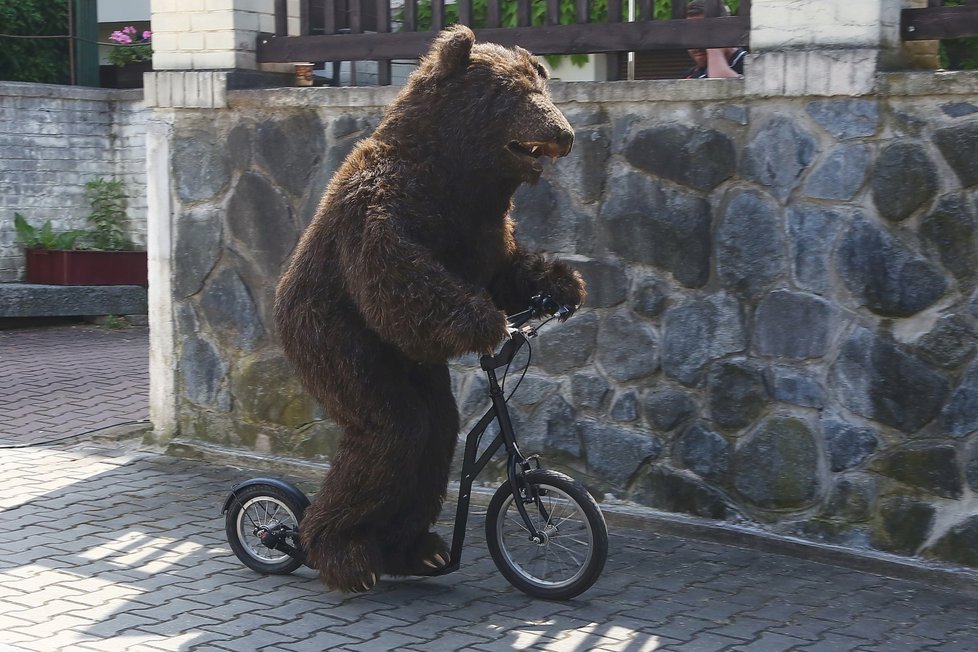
(930, 23)
(559, 39)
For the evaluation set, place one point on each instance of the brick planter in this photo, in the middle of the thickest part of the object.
(82, 267)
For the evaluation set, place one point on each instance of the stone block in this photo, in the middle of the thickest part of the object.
(931, 466)
(793, 325)
(29, 300)
(903, 180)
(736, 393)
(614, 452)
(627, 349)
(776, 466)
(751, 252)
(699, 331)
(778, 154)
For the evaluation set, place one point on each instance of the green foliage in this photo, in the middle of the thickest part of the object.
(42, 60)
(662, 10)
(959, 53)
(108, 216)
(45, 237)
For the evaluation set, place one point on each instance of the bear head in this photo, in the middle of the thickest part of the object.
(484, 107)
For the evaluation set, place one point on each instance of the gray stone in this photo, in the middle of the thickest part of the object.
(841, 173)
(558, 355)
(240, 146)
(475, 400)
(905, 525)
(291, 149)
(197, 248)
(971, 466)
(950, 232)
(930, 466)
(532, 389)
(650, 295)
(812, 230)
(647, 222)
(793, 325)
(844, 119)
(705, 453)
(699, 331)
(625, 407)
(229, 311)
(959, 544)
(776, 467)
(547, 221)
(589, 391)
(735, 113)
(259, 222)
(607, 282)
(551, 430)
(952, 341)
(667, 408)
(201, 168)
(750, 246)
(736, 393)
(627, 348)
(884, 275)
(663, 488)
(958, 146)
(584, 171)
(903, 180)
(778, 155)
(959, 418)
(848, 445)
(851, 498)
(959, 109)
(795, 386)
(877, 379)
(695, 157)
(615, 453)
(203, 373)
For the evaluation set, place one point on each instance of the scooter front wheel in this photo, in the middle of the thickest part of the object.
(565, 553)
(258, 514)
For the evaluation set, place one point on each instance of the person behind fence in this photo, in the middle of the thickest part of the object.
(714, 62)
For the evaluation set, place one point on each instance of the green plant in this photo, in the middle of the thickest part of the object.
(130, 47)
(598, 13)
(34, 59)
(45, 237)
(108, 216)
(959, 53)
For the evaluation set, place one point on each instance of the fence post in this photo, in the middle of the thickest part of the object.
(830, 47)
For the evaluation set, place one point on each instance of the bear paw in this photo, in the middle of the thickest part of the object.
(347, 568)
(429, 553)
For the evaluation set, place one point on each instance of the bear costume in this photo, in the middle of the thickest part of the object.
(411, 261)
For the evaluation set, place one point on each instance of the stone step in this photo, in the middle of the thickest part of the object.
(30, 300)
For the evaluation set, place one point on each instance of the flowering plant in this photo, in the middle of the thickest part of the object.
(129, 46)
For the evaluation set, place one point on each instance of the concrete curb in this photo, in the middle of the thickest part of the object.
(308, 475)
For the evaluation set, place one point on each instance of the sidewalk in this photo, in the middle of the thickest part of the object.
(68, 380)
(106, 547)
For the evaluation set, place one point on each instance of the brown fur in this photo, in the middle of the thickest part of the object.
(410, 261)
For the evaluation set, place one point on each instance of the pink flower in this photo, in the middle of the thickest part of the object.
(147, 35)
(129, 30)
(120, 37)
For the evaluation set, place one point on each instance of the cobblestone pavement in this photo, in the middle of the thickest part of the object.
(106, 547)
(67, 380)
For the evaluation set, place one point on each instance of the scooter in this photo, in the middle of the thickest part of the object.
(545, 532)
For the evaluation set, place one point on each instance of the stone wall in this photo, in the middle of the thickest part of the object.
(54, 139)
(781, 326)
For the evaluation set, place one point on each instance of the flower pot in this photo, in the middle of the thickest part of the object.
(127, 76)
(84, 267)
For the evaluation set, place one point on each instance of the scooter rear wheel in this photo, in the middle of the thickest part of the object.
(257, 509)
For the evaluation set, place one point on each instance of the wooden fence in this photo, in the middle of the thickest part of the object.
(382, 30)
(940, 20)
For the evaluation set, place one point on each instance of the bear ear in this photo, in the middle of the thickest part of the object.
(450, 51)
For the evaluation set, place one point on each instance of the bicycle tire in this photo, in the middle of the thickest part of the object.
(258, 506)
(574, 549)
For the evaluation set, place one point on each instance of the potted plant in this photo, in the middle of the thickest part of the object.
(131, 54)
(101, 255)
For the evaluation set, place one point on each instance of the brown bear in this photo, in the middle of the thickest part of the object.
(410, 261)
